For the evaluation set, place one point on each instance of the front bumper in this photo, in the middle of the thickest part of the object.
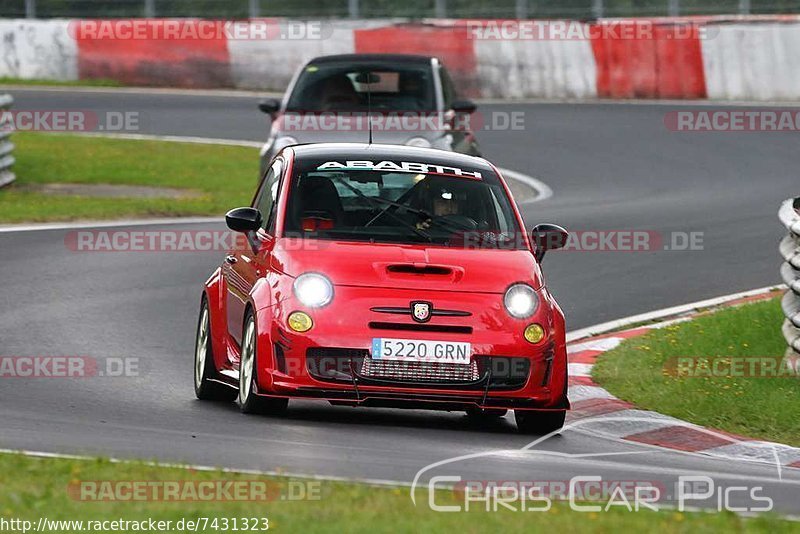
(332, 361)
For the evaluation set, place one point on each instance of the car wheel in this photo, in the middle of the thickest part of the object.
(249, 401)
(204, 372)
(478, 414)
(540, 423)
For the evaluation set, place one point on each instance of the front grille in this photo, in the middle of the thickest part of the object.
(420, 371)
(333, 364)
(416, 327)
(505, 372)
(339, 365)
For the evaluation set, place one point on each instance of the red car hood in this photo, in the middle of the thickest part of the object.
(406, 266)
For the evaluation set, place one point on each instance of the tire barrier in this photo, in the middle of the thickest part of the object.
(6, 146)
(789, 215)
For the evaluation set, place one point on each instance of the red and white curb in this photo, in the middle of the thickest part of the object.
(601, 413)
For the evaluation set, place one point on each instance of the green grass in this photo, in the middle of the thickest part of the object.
(31, 488)
(760, 407)
(226, 175)
(99, 82)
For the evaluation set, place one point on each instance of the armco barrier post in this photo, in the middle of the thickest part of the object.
(6, 146)
(789, 215)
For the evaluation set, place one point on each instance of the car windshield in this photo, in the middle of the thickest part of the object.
(336, 87)
(400, 202)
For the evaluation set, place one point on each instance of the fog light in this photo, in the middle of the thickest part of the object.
(300, 321)
(534, 333)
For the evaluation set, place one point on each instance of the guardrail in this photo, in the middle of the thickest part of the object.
(6, 146)
(789, 215)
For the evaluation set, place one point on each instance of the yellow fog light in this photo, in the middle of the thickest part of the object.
(300, 321)
(534, 333)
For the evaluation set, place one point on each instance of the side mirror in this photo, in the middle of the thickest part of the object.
(546, 237)
(463, 106)
(270, 106)
(243, 219)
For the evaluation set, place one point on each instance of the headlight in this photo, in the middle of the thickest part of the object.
(419, 142)
(313, 290)
(521, 301)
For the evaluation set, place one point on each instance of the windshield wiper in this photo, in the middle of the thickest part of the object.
(417, 211)
(374, 202)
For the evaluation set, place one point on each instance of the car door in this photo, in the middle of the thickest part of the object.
(249, 261)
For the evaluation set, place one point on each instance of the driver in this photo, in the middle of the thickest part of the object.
(445, 202)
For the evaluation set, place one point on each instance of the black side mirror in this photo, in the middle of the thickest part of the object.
(243, 219)
(464, 106)
(270, 106)
(546, 237)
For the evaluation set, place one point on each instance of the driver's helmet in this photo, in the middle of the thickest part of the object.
(444, 197)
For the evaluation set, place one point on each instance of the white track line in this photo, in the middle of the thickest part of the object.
(107, 224)
(540, 187)
(168, 138)
(543, 190)
(603, 328)
(232, 93)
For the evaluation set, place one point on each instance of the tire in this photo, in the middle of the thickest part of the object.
(478, 414)
(539, 423)
(249, 401)
(204, 372)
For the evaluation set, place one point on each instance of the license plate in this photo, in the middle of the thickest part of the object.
(413, 350)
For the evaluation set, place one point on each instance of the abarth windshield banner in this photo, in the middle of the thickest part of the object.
(404, 166)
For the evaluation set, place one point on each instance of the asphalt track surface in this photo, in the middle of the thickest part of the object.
(611, 167)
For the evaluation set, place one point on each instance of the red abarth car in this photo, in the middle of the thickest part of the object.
(380, 275)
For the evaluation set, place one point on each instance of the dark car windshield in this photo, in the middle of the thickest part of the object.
(396, 202)
(335, 87)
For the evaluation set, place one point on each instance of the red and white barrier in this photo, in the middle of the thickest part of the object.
(38, 49)
(545, 69)
(671, 58)
(753, 61)
(665, 63)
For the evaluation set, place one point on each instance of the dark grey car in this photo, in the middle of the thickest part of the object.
(412, 101)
